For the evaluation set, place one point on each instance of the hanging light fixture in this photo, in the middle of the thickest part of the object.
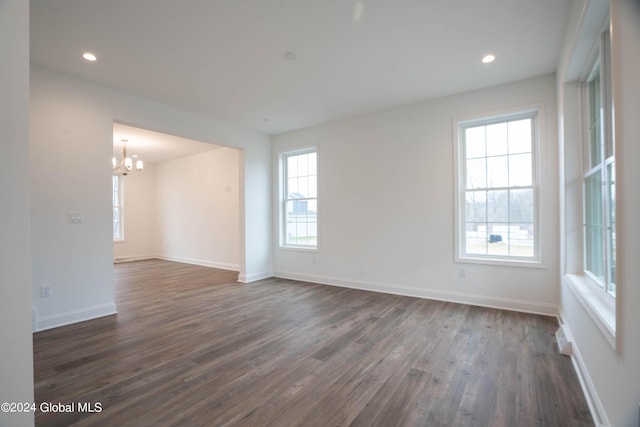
(125, 165)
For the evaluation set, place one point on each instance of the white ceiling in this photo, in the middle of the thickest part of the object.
(155, 147)
(226, 58)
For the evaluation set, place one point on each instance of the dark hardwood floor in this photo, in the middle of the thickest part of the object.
(191, 347)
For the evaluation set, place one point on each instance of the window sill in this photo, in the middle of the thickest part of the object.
(501, 262)
(297, 249)
(600, 306)
(119, 241)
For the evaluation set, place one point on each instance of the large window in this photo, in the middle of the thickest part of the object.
(118, 227)
(599, 174)
(300, 199)
(497, 189)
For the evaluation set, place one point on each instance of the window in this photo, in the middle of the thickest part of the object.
(497, 189)
(118, 227)
(300, 199)
(599, 174)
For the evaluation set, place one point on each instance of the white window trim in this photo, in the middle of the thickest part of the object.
(603, 308)
(537, 110)
(600, 306)
(282, 245)
(121, 196)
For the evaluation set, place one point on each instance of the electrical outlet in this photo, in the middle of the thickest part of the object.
(75, 217)
(45, 291)
(462, 273)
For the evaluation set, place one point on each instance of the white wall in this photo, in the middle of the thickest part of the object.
(71, 146)
(386, 195)
(185, 210)
(198, 209)
(612, 379)
(140, 216)
(16, 354)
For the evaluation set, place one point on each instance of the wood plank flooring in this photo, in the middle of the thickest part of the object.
(191, 347)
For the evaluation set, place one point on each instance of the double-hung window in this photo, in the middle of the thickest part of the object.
(599, 214)
(497, 206)
(299, 217)
(118, 226)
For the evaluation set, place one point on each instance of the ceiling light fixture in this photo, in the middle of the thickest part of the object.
(487, 59)
(89, 56)
(125, 165)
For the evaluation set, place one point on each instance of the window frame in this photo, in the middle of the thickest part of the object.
(282, 223)
(600, 63)
(536, 114)
(118, 205)
(602, 307)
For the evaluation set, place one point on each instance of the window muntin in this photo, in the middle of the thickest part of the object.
(118, 225)
(300, 200)
(498, 189)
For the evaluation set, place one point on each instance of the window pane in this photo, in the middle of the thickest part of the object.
(521, 205)
(497, 172)
(116, 181)
(474, 142)
(497, 206)
(312, 164)
(497, 139)
(116, 224)
(292, 187)
(499, 203)
(292, 166)
(477, 173)
(312, 209)
(476, 238)
(313, 186)
(303, 186)
(594, 242)
(520, 136)
(476, 208)
(611, 228)
(520, 170)
(595, 122)
(303, 165)
(521, 240)
(300, 222)
(498, 240)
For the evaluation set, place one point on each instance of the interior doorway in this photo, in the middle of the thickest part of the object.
(183, 205)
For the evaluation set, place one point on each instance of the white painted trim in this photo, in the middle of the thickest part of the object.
(537, 113)
(242, 278)
(121, 259)
(596, 303)
(201, 262)
(75, 316)
(457, 297)
(590, 393)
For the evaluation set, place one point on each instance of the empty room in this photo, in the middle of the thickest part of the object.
(375, 213)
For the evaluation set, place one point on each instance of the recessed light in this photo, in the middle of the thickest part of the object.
(291, 55)
(89, 56)
(487, 59)
(358, 11)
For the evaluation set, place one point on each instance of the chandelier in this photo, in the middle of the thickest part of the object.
(125, 165)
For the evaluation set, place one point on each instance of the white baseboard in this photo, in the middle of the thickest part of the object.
(457, 297)
(248, 278)
(75, 316)
(591, 395)
(201, 262)
(119, 259)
